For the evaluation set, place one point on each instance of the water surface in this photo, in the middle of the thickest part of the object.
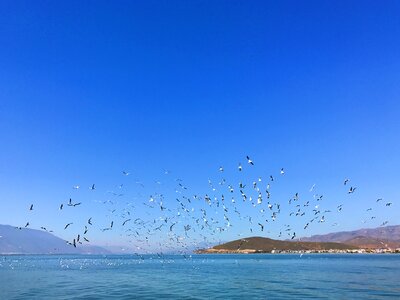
(256, 276)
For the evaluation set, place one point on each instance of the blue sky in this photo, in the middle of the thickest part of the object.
(89, 89)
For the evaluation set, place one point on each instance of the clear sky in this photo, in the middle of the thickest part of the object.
(89, 89)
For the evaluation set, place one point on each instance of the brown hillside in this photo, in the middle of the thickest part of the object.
(372, 243)
(260, 244)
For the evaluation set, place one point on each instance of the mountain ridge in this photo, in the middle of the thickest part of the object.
(367, 238)
(33, 241)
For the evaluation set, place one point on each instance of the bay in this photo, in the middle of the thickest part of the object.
(222, 276)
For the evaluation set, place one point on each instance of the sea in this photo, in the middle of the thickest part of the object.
(201, 276)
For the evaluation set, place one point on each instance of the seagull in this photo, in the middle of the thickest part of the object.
(346, 181)
(31, 208)
(262, 226)
(76, 187)
(249, 161)
(351, 190)
(61, 206)
(92, 187)
(282, 171)
(221, 169)
(66, 226)
(125, 173)
(126, 221)
(380, 199)
(27, 224)
(86, 230)
(388, 204)
(240, 167)
(90, 221)
(86, 239)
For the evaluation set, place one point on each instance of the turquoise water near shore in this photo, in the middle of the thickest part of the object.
(257, 276)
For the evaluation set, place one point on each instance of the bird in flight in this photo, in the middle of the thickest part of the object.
(66, 226)
(351, 190)
(125, 173)
(126, 221)
(92, 187)
(346, 181)
(250, 161)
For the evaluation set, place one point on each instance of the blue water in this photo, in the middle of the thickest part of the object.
(264, 276)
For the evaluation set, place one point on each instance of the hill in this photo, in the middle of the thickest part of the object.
(266, 245)
(364, 238)
(32, 241)
(372, 243)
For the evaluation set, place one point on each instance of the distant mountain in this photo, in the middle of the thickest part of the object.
(266, 245)
(381, 237)
(32, 241)
(372, 243)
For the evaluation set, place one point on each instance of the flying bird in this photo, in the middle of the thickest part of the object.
(351, 190)
(249, 161)
(31, 207)
(126, 221)
(66, 226)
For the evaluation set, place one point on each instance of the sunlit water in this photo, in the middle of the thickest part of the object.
(267, 276)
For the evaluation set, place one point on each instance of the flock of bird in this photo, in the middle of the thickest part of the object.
(191, 219)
